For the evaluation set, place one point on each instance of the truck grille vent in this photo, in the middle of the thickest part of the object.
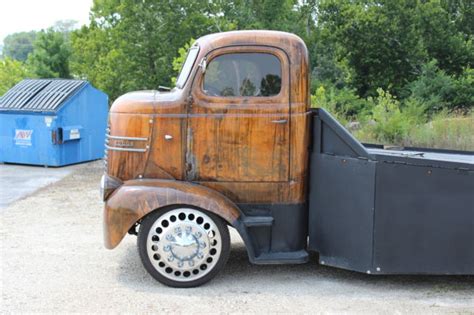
(106, 151)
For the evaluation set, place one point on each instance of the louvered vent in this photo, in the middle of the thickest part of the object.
(42, 95)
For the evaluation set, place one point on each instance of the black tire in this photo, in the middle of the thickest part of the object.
(152, 267)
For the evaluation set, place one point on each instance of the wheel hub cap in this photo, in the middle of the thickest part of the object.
(184, 244)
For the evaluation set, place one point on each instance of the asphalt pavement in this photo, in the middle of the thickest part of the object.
(19, 181)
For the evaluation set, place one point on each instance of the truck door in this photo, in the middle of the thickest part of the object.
(238, 118)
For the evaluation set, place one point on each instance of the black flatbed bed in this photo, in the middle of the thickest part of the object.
(384, 210)
(433, 155)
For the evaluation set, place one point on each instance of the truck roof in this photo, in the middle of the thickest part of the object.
(286, 41)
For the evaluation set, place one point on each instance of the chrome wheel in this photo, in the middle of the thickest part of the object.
(184, 244)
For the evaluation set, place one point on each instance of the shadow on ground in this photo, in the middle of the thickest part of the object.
(241, 276)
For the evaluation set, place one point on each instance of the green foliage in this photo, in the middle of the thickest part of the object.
(378, 40)
(140, 40)
(18, 45)
(434, 88)
(444, 34)
(181, 58)
(437, 90)
(136, 42)
(387, 120)
(344, 103)
(445, 131)
(392, 123)
(50, 57)
(11, 72)
(388, 66)
(386, 42)
(96, 59)
(265, 14)
(464, 90)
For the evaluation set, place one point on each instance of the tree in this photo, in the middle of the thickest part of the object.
(385, 43)
(445, 36)
(462, 13)
(50, 57)
(65, 26)
(355, 46)
(11, 72)
(131, 45)
(136, 42)
(379, 40)
(181, 58)
(18, 45)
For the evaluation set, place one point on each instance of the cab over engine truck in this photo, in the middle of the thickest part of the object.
(237, 144)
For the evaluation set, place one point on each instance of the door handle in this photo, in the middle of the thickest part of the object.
(279, 121)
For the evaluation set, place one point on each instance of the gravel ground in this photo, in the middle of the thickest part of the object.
(53, 260)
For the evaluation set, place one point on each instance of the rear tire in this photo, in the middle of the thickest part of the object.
(183, 247)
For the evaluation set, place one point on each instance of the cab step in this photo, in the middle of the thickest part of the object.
(297, 257)
(258, 221)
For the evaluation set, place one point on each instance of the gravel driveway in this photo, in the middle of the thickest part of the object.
(52, 259)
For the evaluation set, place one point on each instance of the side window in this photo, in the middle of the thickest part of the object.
(243, 74)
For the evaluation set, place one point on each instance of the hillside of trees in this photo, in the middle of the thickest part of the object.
(395, 71)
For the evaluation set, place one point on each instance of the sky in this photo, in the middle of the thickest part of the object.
(28, 15)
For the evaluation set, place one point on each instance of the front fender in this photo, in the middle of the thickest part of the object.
(136, 198)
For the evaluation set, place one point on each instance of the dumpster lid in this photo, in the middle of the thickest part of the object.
(39, 95)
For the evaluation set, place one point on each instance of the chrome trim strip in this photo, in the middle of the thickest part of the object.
(126, 138)
(124, 149)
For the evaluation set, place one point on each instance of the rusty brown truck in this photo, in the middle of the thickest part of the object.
(236, 144)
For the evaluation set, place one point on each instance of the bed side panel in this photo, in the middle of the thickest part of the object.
(424, 222)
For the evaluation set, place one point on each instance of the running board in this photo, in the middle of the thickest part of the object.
(258, 221)
(298, 257)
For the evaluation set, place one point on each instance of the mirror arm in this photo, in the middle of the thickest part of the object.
(203, 64)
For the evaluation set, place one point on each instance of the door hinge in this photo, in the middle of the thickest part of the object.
(189, 101)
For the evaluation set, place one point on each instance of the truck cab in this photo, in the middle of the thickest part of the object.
(230, 145)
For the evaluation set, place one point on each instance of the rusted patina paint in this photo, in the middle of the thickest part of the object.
(230, 145)
(136, 198)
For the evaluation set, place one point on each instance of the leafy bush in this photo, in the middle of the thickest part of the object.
(464, 90)
(389, 122)
(343, 103)
(408, 125)
(179, 61)
(438, 91)
(434, 88)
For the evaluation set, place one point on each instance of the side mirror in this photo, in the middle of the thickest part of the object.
(203, 64)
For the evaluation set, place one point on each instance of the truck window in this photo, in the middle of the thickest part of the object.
(243, 74)
(187, 66)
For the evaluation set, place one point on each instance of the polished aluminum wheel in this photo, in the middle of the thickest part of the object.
(184, 244)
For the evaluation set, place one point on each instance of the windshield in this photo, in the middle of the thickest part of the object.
(187, 66)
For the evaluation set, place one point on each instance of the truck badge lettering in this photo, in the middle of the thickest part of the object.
(124, 143)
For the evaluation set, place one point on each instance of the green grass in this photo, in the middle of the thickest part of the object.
(442, 132)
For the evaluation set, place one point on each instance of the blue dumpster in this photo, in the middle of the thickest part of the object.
(52, 122)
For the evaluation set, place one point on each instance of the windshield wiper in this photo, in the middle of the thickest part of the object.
(162, 88)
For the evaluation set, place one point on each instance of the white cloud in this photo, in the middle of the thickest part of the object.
(27, 15)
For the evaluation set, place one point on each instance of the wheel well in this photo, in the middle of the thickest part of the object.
(176, 206)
